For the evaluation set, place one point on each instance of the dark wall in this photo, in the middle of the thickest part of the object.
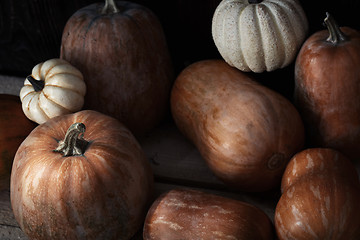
(30, 31)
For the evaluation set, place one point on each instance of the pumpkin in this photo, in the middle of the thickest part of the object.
(327, 88)
(320, 197)
(244, 131)
(14, 127)
(192, 214)
(80, 176)
(259, 35)
(54, 88)
(121, 49)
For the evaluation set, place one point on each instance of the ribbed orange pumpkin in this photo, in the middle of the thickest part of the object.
(80, 176)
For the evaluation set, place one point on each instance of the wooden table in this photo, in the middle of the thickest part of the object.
(175, 161)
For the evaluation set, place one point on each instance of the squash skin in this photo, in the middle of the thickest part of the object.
(103, 194)
(320, 197)
(125, 62)
(15, 127)
(262, 36)
(191, 214)
(245, 132)
(327, 91)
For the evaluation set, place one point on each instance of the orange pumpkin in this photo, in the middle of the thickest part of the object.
(327, 88)
(14, 128)
(190, 214)
(120, 48)
(320, 197)
(244, 131)
(80, 176)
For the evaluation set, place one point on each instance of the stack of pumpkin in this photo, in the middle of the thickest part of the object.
(81, 174)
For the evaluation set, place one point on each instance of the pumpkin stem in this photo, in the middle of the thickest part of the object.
(38, 85)
(335, 34)
(109, 7)
(254, 1)
(73, 145)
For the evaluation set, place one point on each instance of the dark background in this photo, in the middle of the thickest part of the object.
(30, 32)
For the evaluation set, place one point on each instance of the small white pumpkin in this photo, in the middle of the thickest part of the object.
(259, 35)
(54, 88)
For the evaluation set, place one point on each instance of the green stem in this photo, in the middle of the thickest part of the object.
(38, 85)
(73, 145)
(336, 36)
(109, 7)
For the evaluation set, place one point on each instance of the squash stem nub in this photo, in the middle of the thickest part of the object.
(73, 145)
(335, 34)
(38, 85)
(109, 7)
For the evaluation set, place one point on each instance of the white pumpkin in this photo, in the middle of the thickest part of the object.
(259, 35)
(54, 88)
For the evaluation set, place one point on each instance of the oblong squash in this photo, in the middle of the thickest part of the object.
(246, 132)
(191, 214)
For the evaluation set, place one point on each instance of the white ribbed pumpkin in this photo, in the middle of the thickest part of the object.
(54, 88)
(259, 35)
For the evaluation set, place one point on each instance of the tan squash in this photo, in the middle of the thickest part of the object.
(244, 131)
(320, 197)
(190, 214)
(80, 176)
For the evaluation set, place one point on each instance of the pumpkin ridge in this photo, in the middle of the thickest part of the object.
(279, 52)
(51, 100)
(282, 51)
(260, 32)
(241, 52)
(28, 92)
(89, 25)
(39, 69)
(299, 16)
(38, 101)
(69, 89)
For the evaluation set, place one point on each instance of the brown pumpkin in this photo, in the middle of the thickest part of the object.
(327, 88)
(14, 128)
(190, 214)
(244, 131)
(80, 176)
(320, 197)
(121, 50)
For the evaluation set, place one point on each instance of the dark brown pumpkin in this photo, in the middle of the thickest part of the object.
(121, 50)
(14, 128)
(320, 197)
(327, 88)
(190, 214)
(244, 131)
